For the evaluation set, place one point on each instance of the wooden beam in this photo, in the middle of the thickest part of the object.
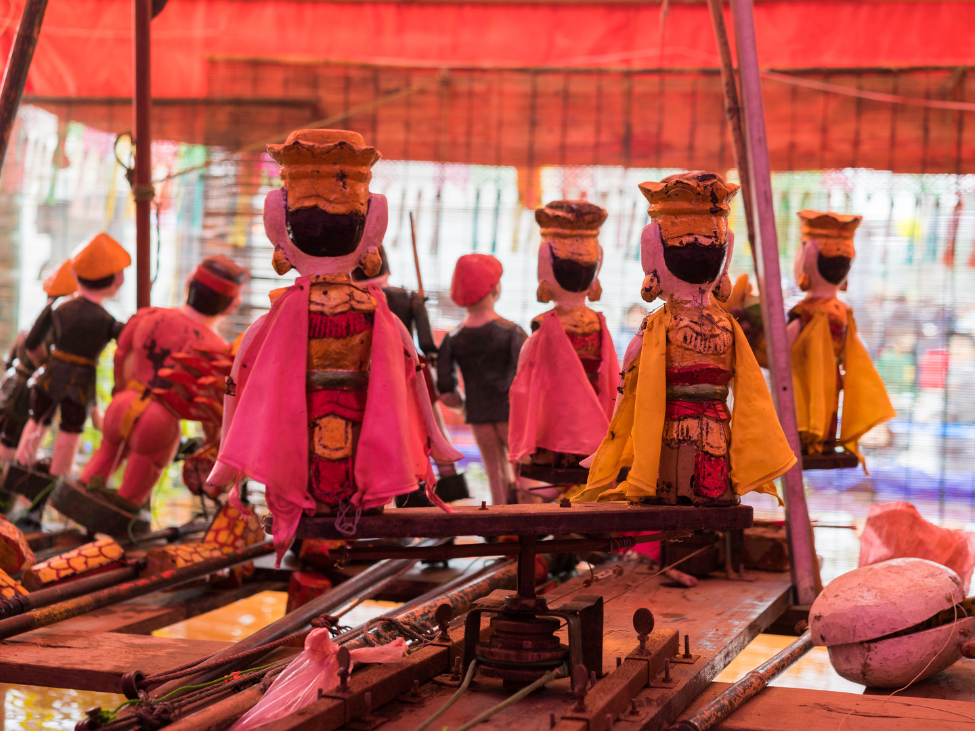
(805, 567)
(93, 661)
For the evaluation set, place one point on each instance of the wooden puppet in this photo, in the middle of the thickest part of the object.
(20, 366)
(672, 426)
(141, 428)
(324, 406)
(80, 328)
(410, 307)
(485, 347)
(563, 395)
(827, 355)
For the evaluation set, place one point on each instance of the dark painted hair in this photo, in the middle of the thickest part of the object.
(102, 283)
(208, 301)
(319, 233)
(834, 268)
(572, 276)
(695, 263)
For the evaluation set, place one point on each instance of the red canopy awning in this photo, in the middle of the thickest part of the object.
(529, 83)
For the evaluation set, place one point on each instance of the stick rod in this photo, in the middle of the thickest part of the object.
(15, 77)
(805, 568)
(733, 112)
(142, 186)
(416, 259)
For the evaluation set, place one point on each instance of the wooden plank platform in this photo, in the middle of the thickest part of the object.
(500, 520)
(789, 709)
(721, 617)
(956, 683)
(93, 660)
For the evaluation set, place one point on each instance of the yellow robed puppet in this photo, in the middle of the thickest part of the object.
(827, 355)
(672, 426)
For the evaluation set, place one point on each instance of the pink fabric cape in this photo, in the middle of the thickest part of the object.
(553, 404)
(268, 438)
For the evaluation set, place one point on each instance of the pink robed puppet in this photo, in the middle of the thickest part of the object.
(325, 407)
(564, 392)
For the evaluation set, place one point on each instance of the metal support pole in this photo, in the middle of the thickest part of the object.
(733, 112)
(805, 568)
(142, 191)
(15, 76)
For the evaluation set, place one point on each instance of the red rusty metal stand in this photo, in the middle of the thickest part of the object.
(524, 646)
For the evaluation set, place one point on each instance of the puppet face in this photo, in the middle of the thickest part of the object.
(813, 271)
(280, 224)
(568, 282)
(689, 272)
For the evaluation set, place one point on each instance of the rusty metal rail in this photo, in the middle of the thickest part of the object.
(738, 693)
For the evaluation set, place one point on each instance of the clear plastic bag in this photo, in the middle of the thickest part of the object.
(897, 530)
(314, 669)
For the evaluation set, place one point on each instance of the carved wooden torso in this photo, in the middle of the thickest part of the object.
(836, 311)
(582, 327)
(340, 328)
(340, 322)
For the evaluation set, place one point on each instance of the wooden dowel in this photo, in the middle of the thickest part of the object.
(18, 64)
(733, 112)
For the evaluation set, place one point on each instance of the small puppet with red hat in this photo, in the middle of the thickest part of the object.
(80, 328)
(324, 406)
(141, 427)
(564, 392)
(21, 364)
(485, 347)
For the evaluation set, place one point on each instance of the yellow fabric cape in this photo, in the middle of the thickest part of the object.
(758, 452)
(865, 400)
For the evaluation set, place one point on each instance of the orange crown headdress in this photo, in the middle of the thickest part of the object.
(572, 229)
(328, 168)
(690, 204)
(833, 232)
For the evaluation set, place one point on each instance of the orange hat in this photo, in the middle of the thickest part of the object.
(101, 257)
(690, 204)
(327, 168)
(474, 277)
(833, 231)
(61, 282)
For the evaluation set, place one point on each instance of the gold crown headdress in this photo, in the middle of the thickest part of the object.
(690, 204)
(833, 232)
(572, 229)
(328, 168)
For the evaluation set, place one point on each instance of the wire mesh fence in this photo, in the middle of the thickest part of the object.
(912, 286)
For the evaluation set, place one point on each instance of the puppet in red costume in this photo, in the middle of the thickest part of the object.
(140, 428)
(563, 394)
(324, 405)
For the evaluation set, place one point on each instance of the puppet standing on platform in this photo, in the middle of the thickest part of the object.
(672, 426)
(324, 405)
(20, 366)
(827, 355)
(411, 309)
(141, 428)
(485, 346)
(563, 395)
(80, 328)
